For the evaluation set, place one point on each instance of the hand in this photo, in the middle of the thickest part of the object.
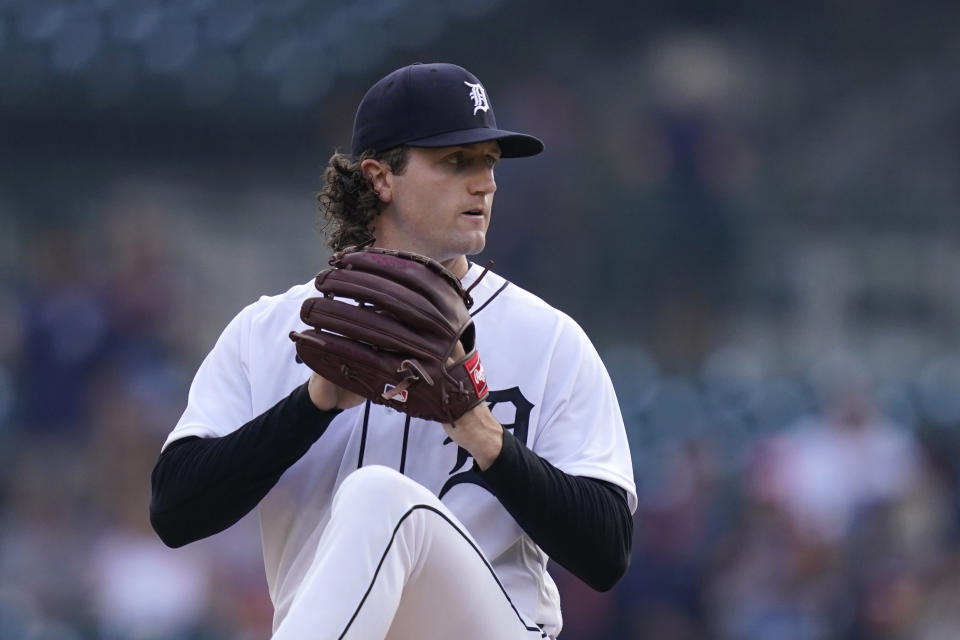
(457, 353)
(327, 396)
(477, 430)
(479, 433)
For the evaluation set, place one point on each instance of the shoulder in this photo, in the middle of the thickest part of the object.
(496, 295)
(272, 313)
(498, 301)
(268, 305)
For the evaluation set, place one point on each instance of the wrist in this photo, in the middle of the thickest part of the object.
(307, 412)
(321, 395)
(327, 396)
(479, 433)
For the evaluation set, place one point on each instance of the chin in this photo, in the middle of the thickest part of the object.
(460, 245)
(475, 245)
(475, 249)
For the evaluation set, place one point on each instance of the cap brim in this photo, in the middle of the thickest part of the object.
(512, 144)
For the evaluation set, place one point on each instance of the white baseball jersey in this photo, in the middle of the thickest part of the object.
(547, 385)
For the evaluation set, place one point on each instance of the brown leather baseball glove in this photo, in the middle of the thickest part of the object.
(386, 327)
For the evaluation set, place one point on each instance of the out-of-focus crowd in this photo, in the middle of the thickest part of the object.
(94, 373)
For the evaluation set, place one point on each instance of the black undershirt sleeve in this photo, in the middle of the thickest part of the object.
(202, 486)
(583, 524)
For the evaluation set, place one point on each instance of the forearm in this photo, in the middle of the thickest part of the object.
(583, 524)
(201, 486)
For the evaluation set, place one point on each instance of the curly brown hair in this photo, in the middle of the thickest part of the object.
(348, 203)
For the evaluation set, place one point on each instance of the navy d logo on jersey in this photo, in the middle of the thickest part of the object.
(520, 428)
(479, 97)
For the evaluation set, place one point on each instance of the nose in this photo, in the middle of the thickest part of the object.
(484, 182)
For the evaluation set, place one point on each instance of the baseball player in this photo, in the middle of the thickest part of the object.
(381, 524)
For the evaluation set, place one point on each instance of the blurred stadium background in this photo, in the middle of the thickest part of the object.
(752, 208)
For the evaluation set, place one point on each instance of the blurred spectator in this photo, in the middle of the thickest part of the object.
(65, 335)
(825, 472)
(679, 524)
(801, 567)
(669, 230)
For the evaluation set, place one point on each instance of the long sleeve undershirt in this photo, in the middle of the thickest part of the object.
(202, 486)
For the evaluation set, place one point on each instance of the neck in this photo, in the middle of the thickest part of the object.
(457, 266)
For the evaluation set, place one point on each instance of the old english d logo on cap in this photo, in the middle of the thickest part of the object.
(479, 96)
(432, 105)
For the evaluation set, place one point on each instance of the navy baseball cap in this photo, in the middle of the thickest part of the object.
(432, 105)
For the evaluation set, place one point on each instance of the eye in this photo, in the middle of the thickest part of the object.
(456, 160)
(492, 161)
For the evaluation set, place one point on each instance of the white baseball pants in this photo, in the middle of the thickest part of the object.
(395, 563)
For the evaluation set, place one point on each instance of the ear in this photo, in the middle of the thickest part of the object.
(378, 174)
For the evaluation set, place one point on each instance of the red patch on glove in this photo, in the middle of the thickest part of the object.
(477, 376)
